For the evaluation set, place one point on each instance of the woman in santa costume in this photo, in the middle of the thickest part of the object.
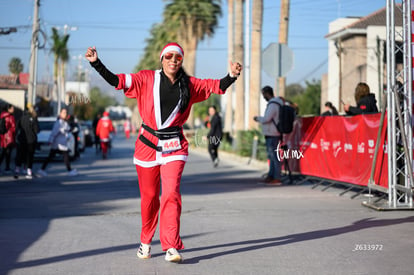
(164, 98)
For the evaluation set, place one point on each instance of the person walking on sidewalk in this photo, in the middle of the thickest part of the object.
(7, 139)
(215, 134)
(27, 129)
(104, 129)
(58, 140)
(271, 133)
(164, 99)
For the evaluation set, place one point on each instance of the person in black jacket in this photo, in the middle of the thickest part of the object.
(97, 139)
(215, 134)
(366, 102)
(330, 110)
(26, 139)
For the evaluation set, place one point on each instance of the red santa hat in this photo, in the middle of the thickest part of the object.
(105, 113)
(171, 47)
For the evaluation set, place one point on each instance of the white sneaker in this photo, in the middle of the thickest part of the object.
(144, 251)
(216, 162)
(29, 176)
(73, 172)
(173, 256)
(42, 173)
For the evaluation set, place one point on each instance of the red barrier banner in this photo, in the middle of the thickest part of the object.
(338, 148)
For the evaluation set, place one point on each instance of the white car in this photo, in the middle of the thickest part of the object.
(43, 146)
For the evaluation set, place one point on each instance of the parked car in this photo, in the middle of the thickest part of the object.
(81, 139)
(43, 146)
(87, 129)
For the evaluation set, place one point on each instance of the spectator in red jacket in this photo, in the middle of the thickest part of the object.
(7, 140)
(104, 130)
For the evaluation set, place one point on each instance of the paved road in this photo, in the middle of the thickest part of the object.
(89, 224)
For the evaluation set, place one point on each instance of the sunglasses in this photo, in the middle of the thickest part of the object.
(169, 56)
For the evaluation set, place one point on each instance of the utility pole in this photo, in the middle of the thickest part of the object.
(378, 54)
(283, 39)
(239, 47)
(31, 94)
(228, 120)
(247, 65)
(339, 54)
(7, 30)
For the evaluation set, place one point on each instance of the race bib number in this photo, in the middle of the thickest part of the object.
(170, 145)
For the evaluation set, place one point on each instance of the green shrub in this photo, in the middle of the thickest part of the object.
(240, 144)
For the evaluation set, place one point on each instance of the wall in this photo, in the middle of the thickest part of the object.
(15, 97)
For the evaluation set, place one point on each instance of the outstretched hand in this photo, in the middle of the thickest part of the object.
(235, 68)
(91, 54)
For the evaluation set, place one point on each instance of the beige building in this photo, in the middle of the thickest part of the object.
(356, 49)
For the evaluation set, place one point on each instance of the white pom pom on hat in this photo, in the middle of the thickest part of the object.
(171, 47)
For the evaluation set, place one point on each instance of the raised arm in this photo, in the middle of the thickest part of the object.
(92, 56)
(235, 69)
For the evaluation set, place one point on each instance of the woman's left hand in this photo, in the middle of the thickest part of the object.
(235, 69)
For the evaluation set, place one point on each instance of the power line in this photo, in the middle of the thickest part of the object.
(314, 70)
(4, 31)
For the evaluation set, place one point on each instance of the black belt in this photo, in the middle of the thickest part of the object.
(167, 133)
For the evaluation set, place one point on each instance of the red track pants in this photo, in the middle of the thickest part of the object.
(104, 147)
(127, 134)
(170, 206)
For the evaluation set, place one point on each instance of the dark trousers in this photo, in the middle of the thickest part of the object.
(213, 150)
(6, 153)
(25, 154)
(272, 143)
(52, 154)
(97, 143)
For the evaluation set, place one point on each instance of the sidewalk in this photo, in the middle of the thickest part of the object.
(230, 224)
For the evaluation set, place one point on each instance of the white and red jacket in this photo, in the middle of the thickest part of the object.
(104, 129)
(145, 87)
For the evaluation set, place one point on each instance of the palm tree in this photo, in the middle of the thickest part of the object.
(60, 54)
(64, 57)
(228, 120)
(238, 55)
(160, 35)
(194, 20)
(15, 66)
(255, 63)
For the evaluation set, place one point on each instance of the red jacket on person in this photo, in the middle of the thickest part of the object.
(104, 128)
(144, 87)
(8, 139)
